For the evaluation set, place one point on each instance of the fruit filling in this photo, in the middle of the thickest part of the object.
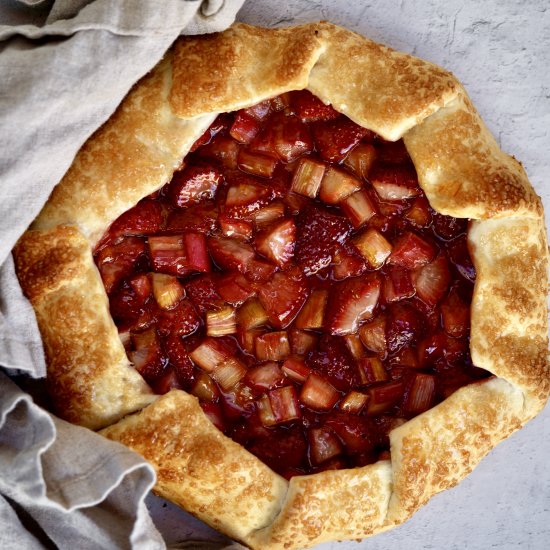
(294, 278)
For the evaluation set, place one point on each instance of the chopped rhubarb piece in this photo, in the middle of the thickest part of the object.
(312, 314)
(237, 401)
(143, 219)
(310, 108)
(246, 197)
(244, 128)
(265, 376)
(295, 368)
(222, 149)
(455, 315)
(117, 261)
(148, 358)
(373, 246)
(167, 381)
(371, 370)
(460, 257)
(284, 404)
(230, 253)
(334, 362)
(406, 357)
(194, 184)
(398, 285)
(239, 229)
(356, 432)
(419, 213)
(201, 218)
(234, 288)
(359, 208)
(307, 177)
(373, 334)
(268, 214)
(301, 341)
(421, 394)
(272, 346)
(168, 255)
(318, 394)
(448, 227)
(395, 182)
(247, 339)
(167, 290)
(256, 163)
(229, 373)
(323, 444)
(205, 388)
(283, 296)
(431, 281)
(285, 137)
(221, 322)
(334, 139)
(202, 292)
(260, 110)
(351, 302)
(354, 402)
(432, 349)
(318, 234)
(265, 412)
(337, 185)
(361, 159)
(214, 413)
(295, 203)
(251, 315)
(197, 254)
(411, 251)
(404, 325)
(222, 123)
(210, 353)
(355, 347)
(347, 262)
(277, 243)
(180, 320)
(383, 397)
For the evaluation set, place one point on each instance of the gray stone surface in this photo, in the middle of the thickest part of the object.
(499, 50)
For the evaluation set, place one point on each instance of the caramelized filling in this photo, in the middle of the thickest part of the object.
(294, 278)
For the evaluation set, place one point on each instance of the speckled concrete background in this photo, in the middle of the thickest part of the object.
(499, 49)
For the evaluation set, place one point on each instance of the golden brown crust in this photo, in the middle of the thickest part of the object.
(199, 468)
(463, 173)
(89, 376)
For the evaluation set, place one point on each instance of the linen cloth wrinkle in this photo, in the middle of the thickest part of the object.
(65, 66)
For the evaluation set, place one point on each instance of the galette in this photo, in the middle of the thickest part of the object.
(295, 272)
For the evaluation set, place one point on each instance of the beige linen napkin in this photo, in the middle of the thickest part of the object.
(64, 67)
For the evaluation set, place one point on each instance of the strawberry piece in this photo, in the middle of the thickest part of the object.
(460, 257)
(259, 271)
(447, 227)
(129, 309)
(395, 182)
(238, 229)
(295, 368)
(283, 296)
(202, 292)
(117, 261)
(334, 139)
(361, 159)
(392, 152)
(404, 326)
(318, 394)
(148, 358)
(181, 320)
(193, 184)
(419, 213)
(411, 251)
(318, 233)
(260, 110)
(284, 137)
(398, 285)
(334, 362)
(356, 432)
(268, 214)
(310, 108)
(230, 253)
(347, 262)
(214, 413)
(337, 185)
(245, 127)
(167, 381)
(222, 149)
(143, 219)
(234, 288)
(277, 244)
(201, 218)
(455, 315)
(222, 123)
(431, 281)
(351, 302)
(256, 163)
(141, 285)
(323, 444)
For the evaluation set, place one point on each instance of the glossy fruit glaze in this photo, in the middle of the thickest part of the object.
(294, 278)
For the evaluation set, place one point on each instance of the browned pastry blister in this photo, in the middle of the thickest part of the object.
(463, 173)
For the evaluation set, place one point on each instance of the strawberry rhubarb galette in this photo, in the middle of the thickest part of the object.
(302, 262)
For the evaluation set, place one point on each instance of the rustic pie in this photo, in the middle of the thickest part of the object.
(296, 273)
